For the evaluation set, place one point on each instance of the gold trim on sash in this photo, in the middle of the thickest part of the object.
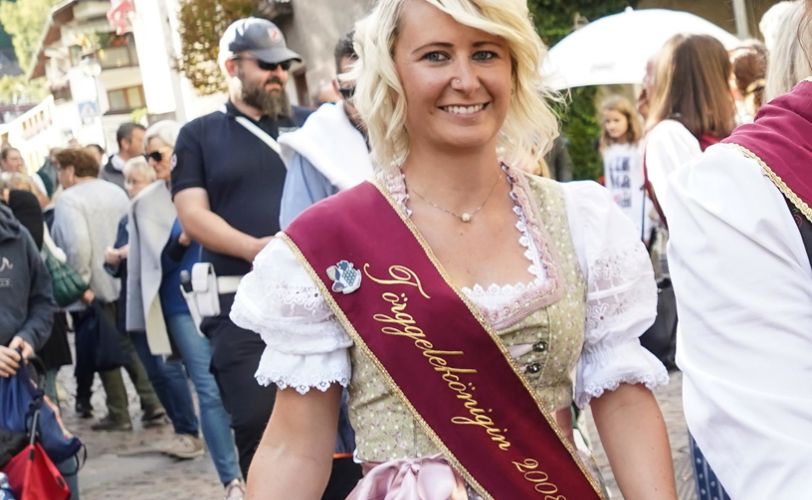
(359, 342)
(800, 204)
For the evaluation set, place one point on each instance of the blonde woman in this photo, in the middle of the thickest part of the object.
(456, 295)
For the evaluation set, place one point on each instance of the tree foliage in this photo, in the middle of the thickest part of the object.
(554, 20)
(18, 89)
(202, 22)
(24, 21)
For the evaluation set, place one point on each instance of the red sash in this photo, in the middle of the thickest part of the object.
(780, 140)
(434, 350)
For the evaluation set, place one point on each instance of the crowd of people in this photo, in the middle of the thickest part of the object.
(381, 299)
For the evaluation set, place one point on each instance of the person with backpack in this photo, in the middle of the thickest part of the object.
(691, 108)
(25, 293)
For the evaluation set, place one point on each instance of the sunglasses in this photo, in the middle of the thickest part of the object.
(266, 66)
(131, 183)
(155, 155)
(347, 93)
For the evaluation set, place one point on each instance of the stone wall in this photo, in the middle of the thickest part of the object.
(312, 31)
(718, 12)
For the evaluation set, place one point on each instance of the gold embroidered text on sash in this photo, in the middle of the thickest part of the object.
(398, 322)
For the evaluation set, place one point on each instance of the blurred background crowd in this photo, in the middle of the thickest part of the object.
(87, 195)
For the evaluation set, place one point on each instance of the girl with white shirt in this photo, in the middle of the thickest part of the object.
(622, 161)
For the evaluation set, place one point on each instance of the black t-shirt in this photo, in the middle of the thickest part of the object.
(241, 174)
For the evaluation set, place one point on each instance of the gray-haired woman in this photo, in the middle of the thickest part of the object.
(164, 251)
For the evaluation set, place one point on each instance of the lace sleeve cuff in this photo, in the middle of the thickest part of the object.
(621, 299)
(604, 368)
(303, 372)
(279, 301)
(305, 345)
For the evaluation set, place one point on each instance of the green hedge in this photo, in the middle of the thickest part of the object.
(201, 23)
(554, 20)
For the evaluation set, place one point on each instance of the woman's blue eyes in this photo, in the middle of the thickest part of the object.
(482, 55)
(485, 55)
(435, 57)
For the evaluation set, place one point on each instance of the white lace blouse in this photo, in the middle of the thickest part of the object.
(307, 347)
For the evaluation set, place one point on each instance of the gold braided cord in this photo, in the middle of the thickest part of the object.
(796, 201)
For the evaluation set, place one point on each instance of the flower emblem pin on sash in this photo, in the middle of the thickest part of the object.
(346, 279)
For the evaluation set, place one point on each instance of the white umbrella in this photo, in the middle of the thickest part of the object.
(615, 49)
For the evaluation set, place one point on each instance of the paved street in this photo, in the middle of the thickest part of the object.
(124, 465)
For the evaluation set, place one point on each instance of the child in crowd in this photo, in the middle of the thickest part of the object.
(747, 80)
(622, 159)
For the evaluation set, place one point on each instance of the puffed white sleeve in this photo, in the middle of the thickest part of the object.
(744, 289)
(305, 346)
(621, 298)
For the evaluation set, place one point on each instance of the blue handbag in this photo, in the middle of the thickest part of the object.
(20, 398)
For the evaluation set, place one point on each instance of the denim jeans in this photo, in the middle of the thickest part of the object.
(170, 384)
(235, 355)
(216, 423)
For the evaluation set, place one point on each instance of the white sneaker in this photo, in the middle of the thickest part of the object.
(184, 446)
(235, 490)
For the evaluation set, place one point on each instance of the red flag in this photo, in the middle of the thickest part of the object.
(117, 15)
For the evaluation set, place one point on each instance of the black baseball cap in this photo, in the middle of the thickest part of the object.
(259, 37)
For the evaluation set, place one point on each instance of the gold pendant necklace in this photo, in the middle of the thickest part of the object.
(465, 216)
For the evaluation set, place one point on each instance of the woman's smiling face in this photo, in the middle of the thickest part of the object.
(456, 79)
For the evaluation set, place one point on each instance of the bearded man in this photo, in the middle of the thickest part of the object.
(227, 185)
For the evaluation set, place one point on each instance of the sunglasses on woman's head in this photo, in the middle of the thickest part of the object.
(266, 66)
(155, 155)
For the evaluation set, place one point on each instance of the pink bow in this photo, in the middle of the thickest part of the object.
(429, 478)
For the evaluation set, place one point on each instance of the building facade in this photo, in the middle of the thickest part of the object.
(93, 74)
(108, 62)
(111, 61)
(740, 17)
(312, 28)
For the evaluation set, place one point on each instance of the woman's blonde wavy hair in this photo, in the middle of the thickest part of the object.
(530, 125)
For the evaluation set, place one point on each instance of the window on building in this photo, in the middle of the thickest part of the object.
(61, 92)
(75, 54)
(126, 99)
(118, 52)
(300, 81)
